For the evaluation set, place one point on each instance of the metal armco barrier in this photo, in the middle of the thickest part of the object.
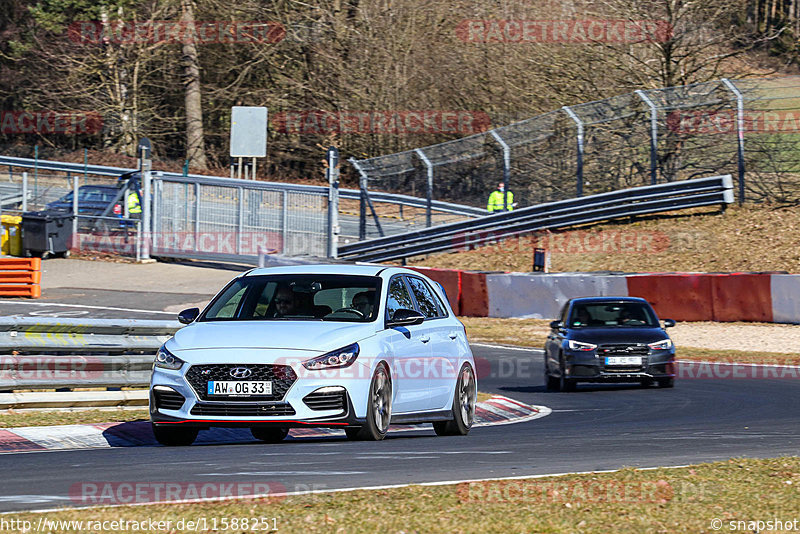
(20, 277)
(716, 190)
(47, 353)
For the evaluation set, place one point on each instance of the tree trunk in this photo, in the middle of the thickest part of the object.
(195, 142)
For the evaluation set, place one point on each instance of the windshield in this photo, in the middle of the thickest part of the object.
(603, 314)
(300, 297)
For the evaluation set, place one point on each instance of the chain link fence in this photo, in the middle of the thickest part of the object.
(203, 220)
(747, 128)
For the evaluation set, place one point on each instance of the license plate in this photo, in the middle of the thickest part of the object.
(239, 387)
(623, 360)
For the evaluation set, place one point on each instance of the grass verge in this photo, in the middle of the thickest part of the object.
(632, 501)
(15, 419)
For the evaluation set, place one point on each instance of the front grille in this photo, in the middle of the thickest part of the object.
(168, 399)
(281, 376)
(326, 400)
(243, 410)
(619, 369)
(626, 349)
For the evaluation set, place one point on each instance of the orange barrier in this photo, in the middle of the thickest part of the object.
(474, 295)
(683, 297)
(20, 277)
(742, 297)
(450, 280)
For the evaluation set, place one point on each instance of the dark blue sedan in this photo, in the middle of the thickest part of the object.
(608, 339)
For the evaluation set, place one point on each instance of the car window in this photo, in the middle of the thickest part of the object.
(602, 314)
(397, 298)
(427, 302)
(327, 297)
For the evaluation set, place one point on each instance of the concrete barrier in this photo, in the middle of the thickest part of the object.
(541, 296)
(683, 297)
(785, 298)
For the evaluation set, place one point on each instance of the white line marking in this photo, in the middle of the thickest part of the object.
(509, 347)
(86, 306)
(345, 490)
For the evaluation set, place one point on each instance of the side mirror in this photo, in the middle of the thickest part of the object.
(555, 325)
(668, 323)
(405, 317)
(189, 315)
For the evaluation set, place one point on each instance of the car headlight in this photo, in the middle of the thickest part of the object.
(577, 345)
(166, 360)
(343, 357)
(664, 344)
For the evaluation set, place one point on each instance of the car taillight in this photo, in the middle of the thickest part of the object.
(117, 209)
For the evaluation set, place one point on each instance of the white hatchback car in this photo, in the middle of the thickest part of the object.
(343, 346)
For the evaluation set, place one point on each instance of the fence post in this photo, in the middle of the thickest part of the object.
(579, 138)
(196, 215)
(75, 207)
(85, 165)
(240, 221)
(362, 208)
(332, 172)
(284, 221)
(739, 133)
(653, 135)
(506, 166)
(35, 171)
(24, 191)
(429, 167)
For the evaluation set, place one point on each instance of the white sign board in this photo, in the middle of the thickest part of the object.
(248, 132)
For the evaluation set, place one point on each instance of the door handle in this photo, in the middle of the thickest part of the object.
(425, 339)
(453, 336)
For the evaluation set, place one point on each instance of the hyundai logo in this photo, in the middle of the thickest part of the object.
(241, 372)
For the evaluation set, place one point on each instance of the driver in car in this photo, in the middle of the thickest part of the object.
(363, 303)
(285, 302)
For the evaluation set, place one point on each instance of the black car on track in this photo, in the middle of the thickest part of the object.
(608, 339)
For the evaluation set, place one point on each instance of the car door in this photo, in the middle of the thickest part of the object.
(440, 368)
(410, 350)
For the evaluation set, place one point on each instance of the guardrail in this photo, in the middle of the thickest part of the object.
(353, 194)
(59, 353)
(595, 208)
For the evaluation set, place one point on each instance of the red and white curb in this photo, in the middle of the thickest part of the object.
(497, 410)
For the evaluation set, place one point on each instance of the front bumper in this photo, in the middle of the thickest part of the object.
(167, 388)
(592, 368)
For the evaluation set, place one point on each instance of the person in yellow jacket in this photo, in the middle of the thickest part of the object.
(134, 206)
(496, 204)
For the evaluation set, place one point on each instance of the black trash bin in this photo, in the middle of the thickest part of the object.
(46, 232)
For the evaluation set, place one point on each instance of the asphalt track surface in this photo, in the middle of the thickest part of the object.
(596, 428)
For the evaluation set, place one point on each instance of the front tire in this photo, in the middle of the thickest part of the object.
(175, 436)
(270, 434)
(464, 400)
(379, 408)
(566, 384)
(666, 382)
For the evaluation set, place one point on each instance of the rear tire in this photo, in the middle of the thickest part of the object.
(666, 382)
(172, 436)
(270, 434)
(379, 408)
(464, 400)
